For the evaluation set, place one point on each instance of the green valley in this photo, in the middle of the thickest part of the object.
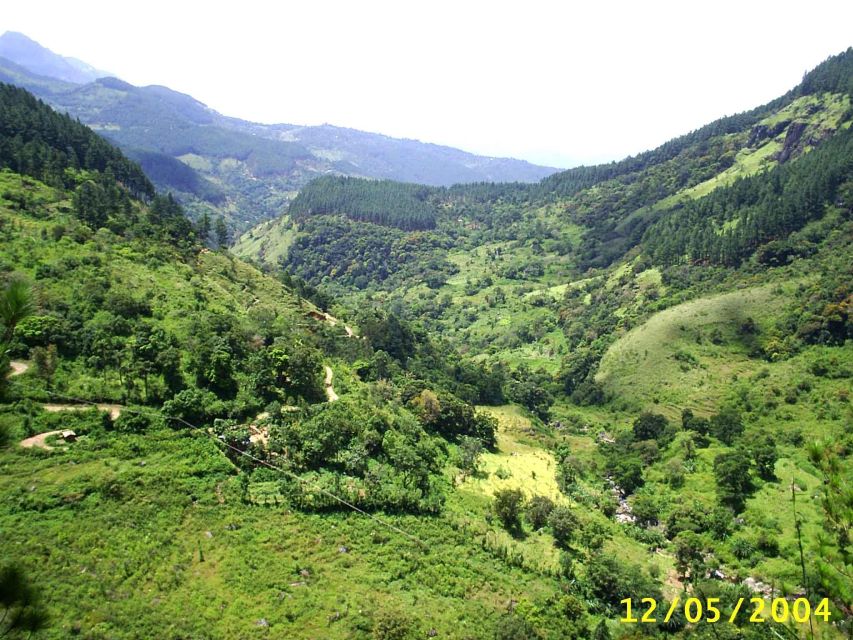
(702, 288)
(494, 410)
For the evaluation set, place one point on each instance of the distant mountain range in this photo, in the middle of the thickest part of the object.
(244, 171)
(30, 54)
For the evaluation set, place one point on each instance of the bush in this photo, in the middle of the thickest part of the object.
(514, 627)
(392, 625)
(538, 510)
(734, 484)
(646, 508)
(564, 525)
(612, 580)
(650, 426)
(727, 425)
(767, 544)
(192, 406)
(507, 506)
(742, 548)
(627, 473)
(135, 422)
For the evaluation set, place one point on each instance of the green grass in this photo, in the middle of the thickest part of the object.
(148, 528)
(526, 467)
(676, 344)
(269, 242)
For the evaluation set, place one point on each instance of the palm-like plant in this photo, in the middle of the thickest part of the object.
(16, 303)
(22, 612)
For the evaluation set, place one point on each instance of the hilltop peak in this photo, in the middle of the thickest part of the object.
(26, 52)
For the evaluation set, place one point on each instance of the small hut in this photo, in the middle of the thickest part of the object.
(69, 436)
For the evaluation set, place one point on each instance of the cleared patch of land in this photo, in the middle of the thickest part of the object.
(113, 409)
(515, 465)
(19, 367)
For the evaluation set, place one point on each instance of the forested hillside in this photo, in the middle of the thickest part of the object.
(485, 411)
(391, 204)
(677, 326)
(242, 171)
(185, 374)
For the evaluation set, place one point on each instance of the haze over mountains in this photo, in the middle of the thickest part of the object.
(244, 171)
(27, 52)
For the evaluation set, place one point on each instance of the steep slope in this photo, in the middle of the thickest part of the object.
(216, 374)
(679, 322)
(30, 54)
(244, 171)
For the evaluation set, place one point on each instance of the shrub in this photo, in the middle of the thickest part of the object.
(392, 625)
(727, 425)
(564, 525)
(538, 510)
(507, 507)
(134, 422)
(734, 484)
(649, 426)
(192, 406)
(515, 627)
(742, 548)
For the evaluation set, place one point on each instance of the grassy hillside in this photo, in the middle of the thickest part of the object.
(695, 349)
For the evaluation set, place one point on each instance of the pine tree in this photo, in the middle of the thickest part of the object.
(204, 227)
(221, 233)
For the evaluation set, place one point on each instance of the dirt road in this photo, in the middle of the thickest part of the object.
(330, 391)
(39, 440)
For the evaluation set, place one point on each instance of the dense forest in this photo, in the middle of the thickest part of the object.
(38, 142)
(758, 212)
(392, 204)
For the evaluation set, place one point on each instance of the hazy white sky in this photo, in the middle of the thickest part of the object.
(556, 83)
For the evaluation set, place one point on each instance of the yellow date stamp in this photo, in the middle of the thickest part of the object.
(754, 610)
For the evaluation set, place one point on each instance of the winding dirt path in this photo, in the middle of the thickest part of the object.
(333, 322)
(330, 391)
(39, 440)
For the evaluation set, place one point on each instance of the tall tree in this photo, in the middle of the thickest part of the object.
(221, 233)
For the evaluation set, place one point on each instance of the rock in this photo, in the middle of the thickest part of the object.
(208, 534)
(343, 549)
(262, 623)
(305, 573)
(792, 138)
(759, 132)
(756, 586)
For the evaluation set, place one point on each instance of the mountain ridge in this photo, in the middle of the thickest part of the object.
(30, 54)
(255, 169)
